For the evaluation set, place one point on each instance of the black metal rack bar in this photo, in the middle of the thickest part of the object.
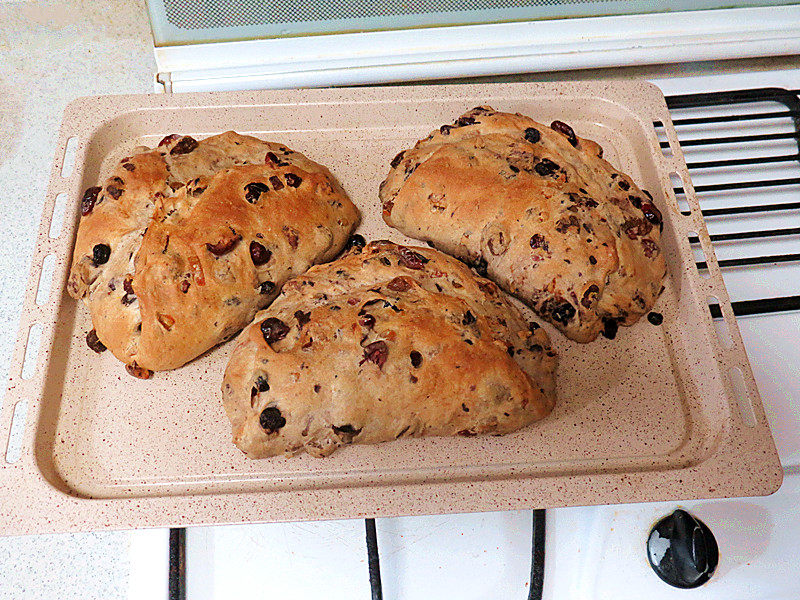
(752, 260)
(732, 97)
(737, 139)
(739, 162)
(177, 564)
(749, 235)
(762, 306)
(742, 185)
(788, 98)
(757, 208)
(373, 561)
(536, 588)
(735, 118)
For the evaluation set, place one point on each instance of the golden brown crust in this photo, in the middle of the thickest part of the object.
(179, 222)
(539, 211)
(360, 350)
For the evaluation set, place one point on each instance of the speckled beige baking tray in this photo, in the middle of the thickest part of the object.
(668, 411)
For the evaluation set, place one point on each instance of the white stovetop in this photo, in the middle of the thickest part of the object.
(52, 52)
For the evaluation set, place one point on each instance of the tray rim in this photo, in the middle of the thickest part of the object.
(58, 511)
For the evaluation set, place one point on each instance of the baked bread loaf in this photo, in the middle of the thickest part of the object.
(537, 210)
(184, 243)
(385, 343)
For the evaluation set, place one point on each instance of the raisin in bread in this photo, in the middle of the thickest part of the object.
(184, 243)
(539, 211)
(385, 342)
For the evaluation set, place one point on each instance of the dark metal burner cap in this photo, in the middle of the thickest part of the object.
(682, 550)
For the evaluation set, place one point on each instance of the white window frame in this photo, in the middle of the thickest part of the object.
(475, 50)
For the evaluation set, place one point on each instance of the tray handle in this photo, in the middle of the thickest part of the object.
(21, 404)
(727, 343)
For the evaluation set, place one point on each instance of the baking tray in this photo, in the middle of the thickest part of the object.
(659, 413)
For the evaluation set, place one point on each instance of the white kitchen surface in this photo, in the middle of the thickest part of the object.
(52, 52)
(85, 566)
(326, 559)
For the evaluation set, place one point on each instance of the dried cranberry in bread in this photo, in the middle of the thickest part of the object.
(184, 243)
(537, 210)
(385, 342)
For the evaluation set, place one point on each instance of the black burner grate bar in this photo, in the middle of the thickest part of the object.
(735, 118)
(752, 260)
(749, 235)
(736, 162)
(760, 306)
(787, 97)
(176, 588)
(791, 101)
(373, 561)
(536, 588)
(744, 185)
(757, 208)
(736, 139)
(738, 210)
